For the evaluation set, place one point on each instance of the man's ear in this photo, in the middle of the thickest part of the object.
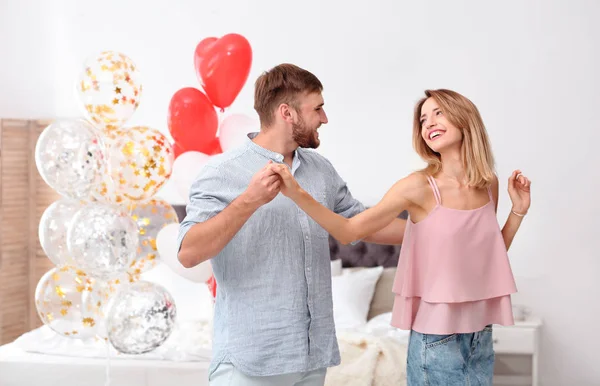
(286, 112)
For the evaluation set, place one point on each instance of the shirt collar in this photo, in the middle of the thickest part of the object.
(266, 152)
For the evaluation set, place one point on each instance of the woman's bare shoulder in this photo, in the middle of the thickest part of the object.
(412, 186)
(415, 180)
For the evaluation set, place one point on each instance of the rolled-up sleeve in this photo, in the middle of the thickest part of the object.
(206, 200)
(345, 204)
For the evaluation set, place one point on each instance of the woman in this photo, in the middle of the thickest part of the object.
(454, 279)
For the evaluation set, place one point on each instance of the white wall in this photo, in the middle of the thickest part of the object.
(531, 67)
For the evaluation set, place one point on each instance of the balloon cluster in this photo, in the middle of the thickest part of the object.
(222, 67)
(101, 234)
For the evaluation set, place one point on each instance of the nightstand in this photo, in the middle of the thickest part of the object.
(517, 351)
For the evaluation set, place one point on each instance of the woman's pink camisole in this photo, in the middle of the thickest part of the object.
(453, 275)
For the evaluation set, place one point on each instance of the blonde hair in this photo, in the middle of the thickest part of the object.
(476, 151)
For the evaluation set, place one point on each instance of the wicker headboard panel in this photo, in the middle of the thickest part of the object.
(359, 255)
(24, 196)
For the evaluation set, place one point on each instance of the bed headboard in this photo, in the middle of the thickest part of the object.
(359, 255)
(24, 198)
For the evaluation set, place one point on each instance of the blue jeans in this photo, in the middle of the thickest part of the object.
(457, 359)
(227, 375)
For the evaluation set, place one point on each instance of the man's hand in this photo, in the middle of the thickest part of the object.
(290, 186)
(263, 187)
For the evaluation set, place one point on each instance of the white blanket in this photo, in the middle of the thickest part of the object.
(368, 360)
(189, 342)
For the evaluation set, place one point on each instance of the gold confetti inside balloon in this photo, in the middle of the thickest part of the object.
(106, 190)
(109, 89)
(96, 303)
(141, 318)
(140, 161)
(103, 240)
(58, 299)
(151, 216)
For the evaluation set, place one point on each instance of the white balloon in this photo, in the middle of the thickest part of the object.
(166, 243)
(185, 170)
(234, 129)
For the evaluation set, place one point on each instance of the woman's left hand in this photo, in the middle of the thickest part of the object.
(519, 190)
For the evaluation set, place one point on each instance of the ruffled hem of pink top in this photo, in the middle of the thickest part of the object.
(413, 313)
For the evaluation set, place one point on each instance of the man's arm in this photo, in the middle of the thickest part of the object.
(204, 240)
(210, 224)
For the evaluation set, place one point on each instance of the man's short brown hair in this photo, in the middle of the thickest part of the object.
(282, 84)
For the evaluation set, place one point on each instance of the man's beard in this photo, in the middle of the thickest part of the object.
(303, 136)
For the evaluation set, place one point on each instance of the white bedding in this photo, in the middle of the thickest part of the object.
(21, 368)
(373, 354)
(189, 342)
(41, 357)
(380, 326)
(368, 360)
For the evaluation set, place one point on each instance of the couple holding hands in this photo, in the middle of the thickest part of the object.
(273, 322)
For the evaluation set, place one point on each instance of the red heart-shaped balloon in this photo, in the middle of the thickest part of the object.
(193, 121)
(222, 66)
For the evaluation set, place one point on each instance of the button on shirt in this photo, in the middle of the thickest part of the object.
(273, 310)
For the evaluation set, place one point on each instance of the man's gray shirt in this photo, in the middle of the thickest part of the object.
(273, 310)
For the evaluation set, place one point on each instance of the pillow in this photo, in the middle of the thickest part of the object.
(381, 325)
(336, 267)
(192, 300)
(383, 298)
(352, 294)
(381, 320)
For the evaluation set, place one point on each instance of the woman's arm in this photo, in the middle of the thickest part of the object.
(520, 195)
(392, 234)
(343, 229)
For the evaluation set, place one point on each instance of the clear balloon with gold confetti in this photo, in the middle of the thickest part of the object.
(109, 89)
(151, 216)
(139, 163)
(106, 191)
(97, 302)
(58, 300)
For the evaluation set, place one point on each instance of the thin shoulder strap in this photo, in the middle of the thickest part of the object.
(436, 192)
(489, 189)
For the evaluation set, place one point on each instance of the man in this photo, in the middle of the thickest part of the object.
(273, 321)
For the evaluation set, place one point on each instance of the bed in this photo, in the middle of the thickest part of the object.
(372, 352)
(42, 357)
(20, 368)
